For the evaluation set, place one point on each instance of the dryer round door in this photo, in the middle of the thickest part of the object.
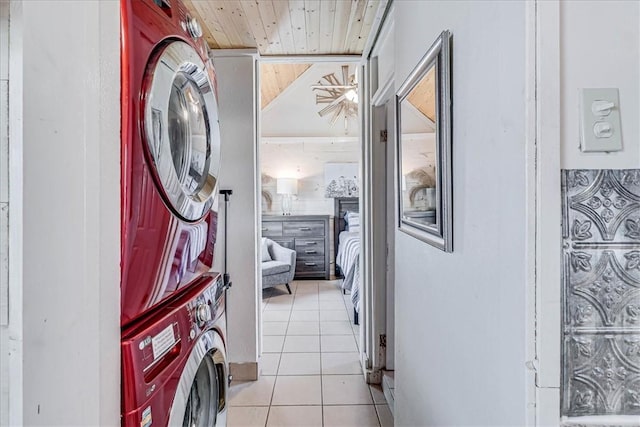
(181, 129)
(202, 390)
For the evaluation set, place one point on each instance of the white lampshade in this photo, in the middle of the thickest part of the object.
(287, 186)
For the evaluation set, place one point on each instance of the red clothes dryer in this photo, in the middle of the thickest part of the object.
(170, 154)
(174, 365)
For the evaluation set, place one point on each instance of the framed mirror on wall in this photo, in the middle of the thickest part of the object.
(424, 148)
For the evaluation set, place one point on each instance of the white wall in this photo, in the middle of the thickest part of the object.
(236, 82)
(296, 142)
(304, 158)
(584, 44)
(67, 129)
(295, 113)
(5, 333)
(460, 317)
(599, 48)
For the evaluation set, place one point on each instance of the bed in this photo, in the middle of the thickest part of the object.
(347, 248)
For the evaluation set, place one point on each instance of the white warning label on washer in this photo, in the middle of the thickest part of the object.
(163, 341)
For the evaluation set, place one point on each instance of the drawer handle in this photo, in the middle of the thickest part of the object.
(310, 243)
(305, 228)
(310, 251)
(265, 229)
(310, 264)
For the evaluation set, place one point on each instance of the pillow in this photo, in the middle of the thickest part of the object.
(265, 251)
(352, 219)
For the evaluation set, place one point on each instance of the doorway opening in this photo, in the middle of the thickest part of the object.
(310, 161)
(316, 322)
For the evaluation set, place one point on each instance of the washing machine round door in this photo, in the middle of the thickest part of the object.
(181, 129)
(202, 390)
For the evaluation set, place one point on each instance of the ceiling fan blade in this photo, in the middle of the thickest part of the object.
(328, 109)
(323, 99)
(350, 86)
(326, 77)
(333, 92)
(331, 89)
(337, 114)
(339, 99)
(328, 93)
(331, 79)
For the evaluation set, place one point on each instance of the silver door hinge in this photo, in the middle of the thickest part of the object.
(383, 135)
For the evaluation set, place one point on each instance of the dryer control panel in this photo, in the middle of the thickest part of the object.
(155, 350)
(207, 307)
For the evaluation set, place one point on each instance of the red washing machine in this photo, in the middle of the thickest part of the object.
(170, 154)
(174, 365)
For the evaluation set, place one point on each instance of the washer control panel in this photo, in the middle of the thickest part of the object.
(203, 314)
(208, 306)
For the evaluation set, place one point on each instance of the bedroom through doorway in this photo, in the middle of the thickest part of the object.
(310, 162)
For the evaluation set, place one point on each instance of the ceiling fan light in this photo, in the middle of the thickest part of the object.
(341, 96)
(351, 95)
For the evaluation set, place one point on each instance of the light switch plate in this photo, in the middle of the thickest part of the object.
(600, 127)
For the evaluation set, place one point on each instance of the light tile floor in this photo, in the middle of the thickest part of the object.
(311, 374)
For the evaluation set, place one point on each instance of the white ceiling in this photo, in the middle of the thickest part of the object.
(295, 114)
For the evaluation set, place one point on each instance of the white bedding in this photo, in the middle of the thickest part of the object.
(348, 259)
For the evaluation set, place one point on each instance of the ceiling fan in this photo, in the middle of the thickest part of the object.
(342, 96)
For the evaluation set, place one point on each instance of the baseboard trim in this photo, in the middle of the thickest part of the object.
(244, 371)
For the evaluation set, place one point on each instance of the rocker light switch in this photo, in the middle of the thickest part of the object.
(600, 127)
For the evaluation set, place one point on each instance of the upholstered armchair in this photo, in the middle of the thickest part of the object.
(278, 264)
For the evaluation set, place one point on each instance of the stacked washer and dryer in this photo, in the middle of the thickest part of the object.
(174, 367)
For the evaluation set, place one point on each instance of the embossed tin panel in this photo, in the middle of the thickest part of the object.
(601, 292)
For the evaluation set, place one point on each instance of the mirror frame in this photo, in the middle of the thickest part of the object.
(440, 234)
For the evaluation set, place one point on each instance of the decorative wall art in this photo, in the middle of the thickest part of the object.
(423, 118)
(601, 292)
(341, 180)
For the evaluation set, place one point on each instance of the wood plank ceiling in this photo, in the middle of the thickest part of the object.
(423, 96)
(276, 77)
(287, 27)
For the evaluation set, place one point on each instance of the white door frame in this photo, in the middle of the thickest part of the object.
(352, 60)
(379, 228)
(543, 256)
(383, 118)
(374, 298)
(374, 239)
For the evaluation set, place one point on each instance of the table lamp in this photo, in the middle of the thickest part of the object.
(287, 187)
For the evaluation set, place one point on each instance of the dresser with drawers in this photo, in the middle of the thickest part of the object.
(308, 235)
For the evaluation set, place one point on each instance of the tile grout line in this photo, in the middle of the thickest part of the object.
(320, 355)
(374, 405)
(273, 391)
(320, 335)
(275, 382)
